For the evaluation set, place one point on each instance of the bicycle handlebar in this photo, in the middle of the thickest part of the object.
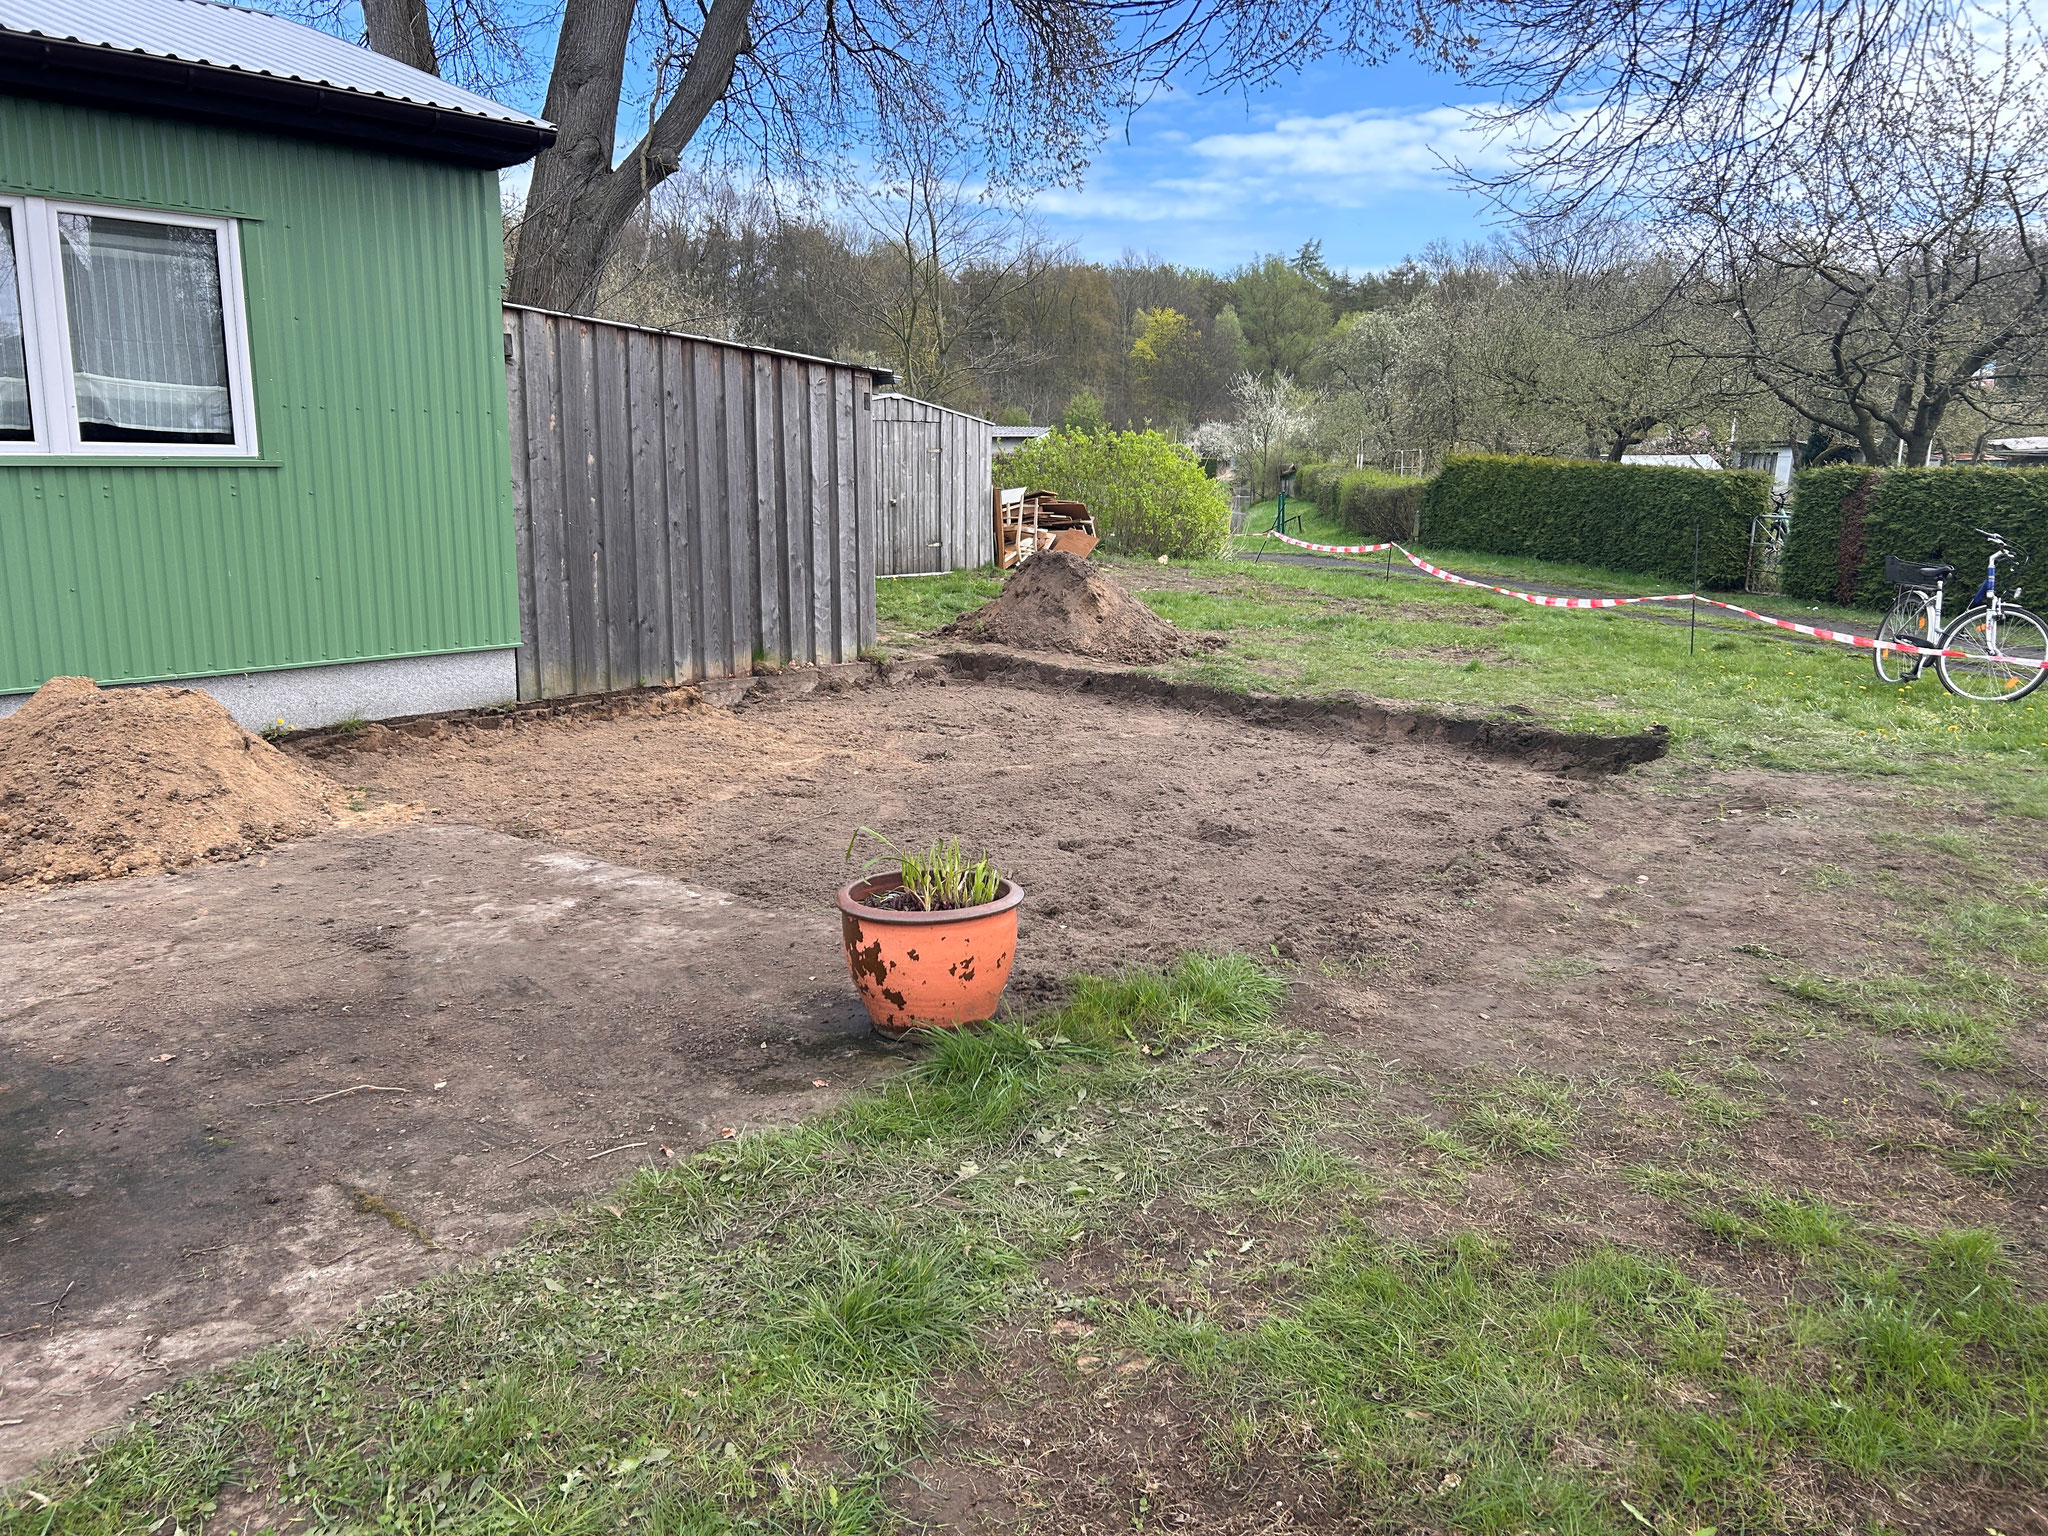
(2001, 547)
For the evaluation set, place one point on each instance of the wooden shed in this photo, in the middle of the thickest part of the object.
(934, 464)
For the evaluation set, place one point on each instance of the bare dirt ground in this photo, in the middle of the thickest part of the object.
(1462, 910)
(186, 1173)
(1467, 911)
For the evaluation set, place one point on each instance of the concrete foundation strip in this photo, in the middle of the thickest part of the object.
(1543, 600)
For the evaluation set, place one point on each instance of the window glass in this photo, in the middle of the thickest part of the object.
(16, 425)
(148, 343)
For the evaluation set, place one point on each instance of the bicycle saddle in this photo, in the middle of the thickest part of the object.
(1910, 573)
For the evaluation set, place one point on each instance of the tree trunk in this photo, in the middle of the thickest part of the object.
(402, 30)
(579, 200)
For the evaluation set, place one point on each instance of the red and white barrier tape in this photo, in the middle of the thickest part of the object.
(1334, 549)
(1544, 600)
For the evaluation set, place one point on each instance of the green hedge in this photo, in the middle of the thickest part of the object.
(1147, 492)
(1626, 517)
(1917, 514)
(1369, 502)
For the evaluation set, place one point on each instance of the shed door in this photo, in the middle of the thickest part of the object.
(910, 512)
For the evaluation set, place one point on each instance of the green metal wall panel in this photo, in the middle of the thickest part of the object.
(378, 521)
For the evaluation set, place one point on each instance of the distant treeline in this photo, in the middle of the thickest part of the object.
(977, 311)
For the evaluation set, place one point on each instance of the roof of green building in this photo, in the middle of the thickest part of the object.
(221, 63)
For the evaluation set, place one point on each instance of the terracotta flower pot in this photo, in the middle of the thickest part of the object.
(927, 970)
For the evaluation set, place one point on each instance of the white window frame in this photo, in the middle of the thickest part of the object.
(46, 334)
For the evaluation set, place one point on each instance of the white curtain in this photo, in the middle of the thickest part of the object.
(148, 349)
(14, 416)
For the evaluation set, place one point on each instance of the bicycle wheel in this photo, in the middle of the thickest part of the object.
(1995, 667)
(1908, 621)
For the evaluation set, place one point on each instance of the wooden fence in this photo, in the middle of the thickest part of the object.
(936, 510)
(684, 506)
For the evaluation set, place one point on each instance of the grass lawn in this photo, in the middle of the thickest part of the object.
(747, 1340)
(1158, 1207)
(1733, 693)
(1548, 574)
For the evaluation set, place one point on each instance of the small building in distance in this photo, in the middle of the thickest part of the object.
(252, 369)
(1673, 460)
(1777, 460)
(2020, 452)
(1009, 439)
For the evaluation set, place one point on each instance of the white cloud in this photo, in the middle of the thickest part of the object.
(1163, 200)
(1349, 159)
(1340, 161)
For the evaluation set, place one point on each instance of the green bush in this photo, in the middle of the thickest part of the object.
(1917, 514)
(1369, 502)
(1812, 564)
(1626, 517)
(1084, 416)
(1147, 492)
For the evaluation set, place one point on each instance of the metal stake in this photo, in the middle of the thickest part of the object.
(1692, 635)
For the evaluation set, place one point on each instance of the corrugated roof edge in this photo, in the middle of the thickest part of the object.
(220, 35)
(879, 374)
(134, 80)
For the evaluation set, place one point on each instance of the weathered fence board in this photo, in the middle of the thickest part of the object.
(685, 507)
(933, 468)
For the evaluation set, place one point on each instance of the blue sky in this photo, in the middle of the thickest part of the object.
(1343, 153)
(1349, 155)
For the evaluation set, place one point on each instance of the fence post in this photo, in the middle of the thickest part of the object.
(1692, 634)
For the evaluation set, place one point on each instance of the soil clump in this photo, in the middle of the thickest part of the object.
(96, 783)
(1059, 602)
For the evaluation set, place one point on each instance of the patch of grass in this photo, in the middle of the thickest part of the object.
(1477, 1392)
(347, 726)
(1800, 1224)
(1708, 1104)
(2015, 928)
(1526, 1116)
(1962, 1011)
(368, 1203)
(1745, 1215)
(2011, 1134)
(1981, 980)
(1967, 851)
(908, 606)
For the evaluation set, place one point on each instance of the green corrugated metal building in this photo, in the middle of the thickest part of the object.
(252, 391)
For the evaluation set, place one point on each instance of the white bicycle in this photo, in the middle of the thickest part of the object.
(2002, 646)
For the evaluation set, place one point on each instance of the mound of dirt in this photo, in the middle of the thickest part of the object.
(1059, 602)
(115, 782)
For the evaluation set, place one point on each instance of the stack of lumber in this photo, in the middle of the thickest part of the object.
(1030, 521)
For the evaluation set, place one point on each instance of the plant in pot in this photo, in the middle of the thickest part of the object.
(929, 935)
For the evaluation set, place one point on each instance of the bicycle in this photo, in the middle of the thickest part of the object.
(2000, 644)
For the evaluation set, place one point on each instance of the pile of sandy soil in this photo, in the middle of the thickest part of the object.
(97, 783)
(1059, 602)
